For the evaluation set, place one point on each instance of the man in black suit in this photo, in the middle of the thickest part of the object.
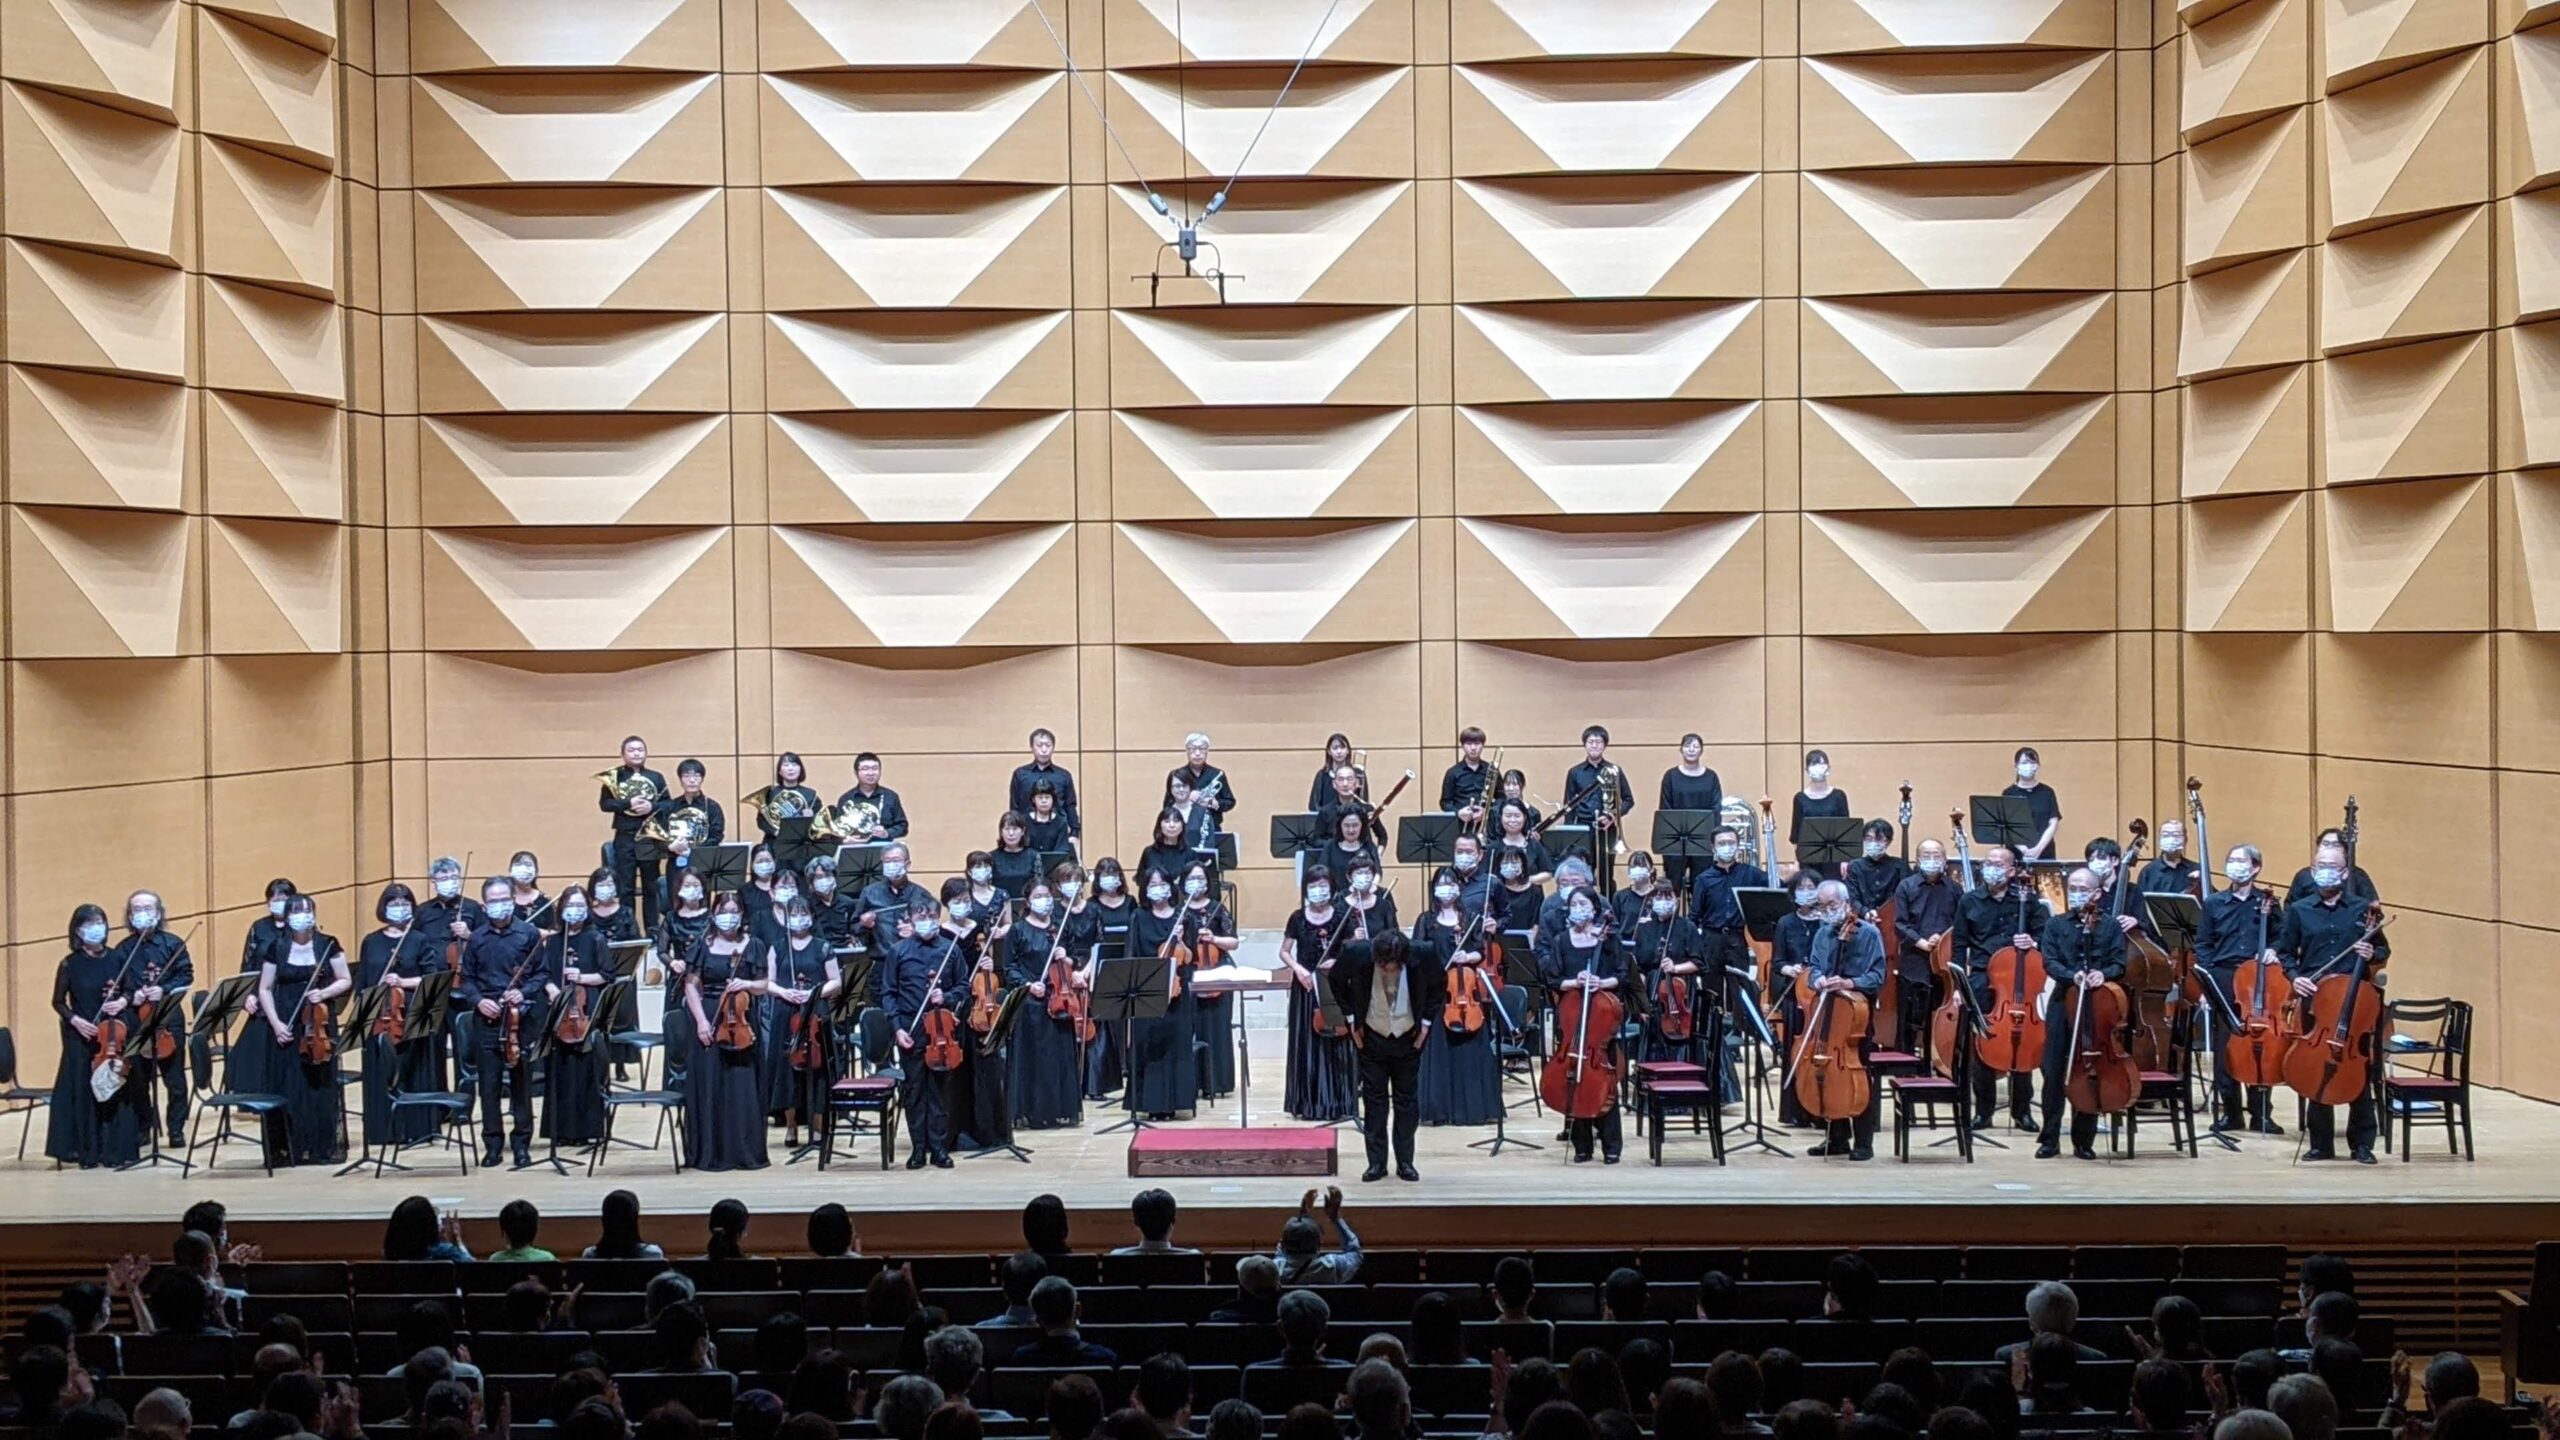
(1390, 995)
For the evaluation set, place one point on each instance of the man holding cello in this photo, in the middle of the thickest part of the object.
(1388, 991)
(2228, 937)
(2082, 951)
(2324, 936)
(1848, 960)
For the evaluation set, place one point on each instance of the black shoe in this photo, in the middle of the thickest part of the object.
(2309, 1155)
(2047, 1150)
(1609, 1159)
(524, 1157)
(1372, 1174)
(1863, 1154)
(1407, 1172)
(1818, 1149)
(490, 1156)
(2364, 1155)
(1981, 1123)
(941, 1162)
(1565, 1134)
(1583, 1159)
(916, 1161)
(2268, 1127)
(2023, 1125)
(2083, 1152)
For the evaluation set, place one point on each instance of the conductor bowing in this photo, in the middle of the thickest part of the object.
(1389, 993)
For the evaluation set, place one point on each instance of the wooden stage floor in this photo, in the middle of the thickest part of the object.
(1520, 1196)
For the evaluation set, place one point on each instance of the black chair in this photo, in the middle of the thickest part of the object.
(865, 1103)
(1155, 1269)
(2529, 1325)
(2418, 1070)
(669, 1105)
(290, 1277)
(1918, 1092)
(226, 1105)
(1274, 1389)
(710, 1394)
(16, 1097)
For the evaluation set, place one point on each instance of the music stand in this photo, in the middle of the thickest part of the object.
(1219, 854)
(1127, 990)
(1293, 833)
(855, 970)
(991, 1048)
(1562, 840)
(1763, 906)
(1830, 842)
(138, 1053)
(1427, 840)
(857, 866)
(2003, 820)
(620, 953)
(1689, 834)
(723, 868)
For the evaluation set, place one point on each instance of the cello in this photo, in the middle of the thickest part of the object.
(2337, 1027)
(1947, 1021)
(2013, 1033)
(1580, 1080)
(1829, 1073)
(2103, 1079)
(2253, 1054)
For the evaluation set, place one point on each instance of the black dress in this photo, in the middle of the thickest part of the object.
(417, 1063)
(307, 1133)
(1460, 1082)
(804, 968)
(1214, 1017)
(80, 1131)
(1015, 870)
(723, 1090)
(1048, 1064)
(1105, 1061)
(574, 1076)
(1834, 806)
(1164, 1072)
(1324, 1075)
(676, 942)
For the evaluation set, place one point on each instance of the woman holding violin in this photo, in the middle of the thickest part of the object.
(723, 1089)
(302, 972)
(1586, 965)
(573, 1057)
(2335, 950)
(977, 1093)
(1164, 1073)
(1323, 1075)
(89, 996)
(400, 1054)
(615, 921)
(679, 934)
(1828, 1064)
(1213, 938)
(1668, 952)
(2083, 952)
(1055, 977)
(922, 985)
(1461, 1078)
(793, 1036)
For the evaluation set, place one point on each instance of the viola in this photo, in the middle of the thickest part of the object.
(391, 1022)
(942, 1046)
(115, 1032)
(2253, 1054)
(2337, 1028)
(1675, 1003)
(577, 1019)
(1830, 1068)
(317, 1044)
(733, 1026)
(986, 999)
(1463, 1012)
(2013, 1033)
(807, 1046)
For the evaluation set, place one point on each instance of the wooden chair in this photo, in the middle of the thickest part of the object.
(1925, 1093)
(2418, 1071)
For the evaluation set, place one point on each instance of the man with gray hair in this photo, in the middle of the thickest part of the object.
(2306, 1406)
(2251, 1425)
(1303, 1318)
(1207, 784)
(904, 1405)
(164, 1414)
(953, 1356)
(666, 1288)
(1847, 965)
(1381, 1403)
(2226, 939)
(2053, 1308)
(2081, 952)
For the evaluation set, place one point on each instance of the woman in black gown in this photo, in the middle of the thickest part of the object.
(723, 1090)
(1348, 845)
(1015, 863)
(400, 956)
(1044, 827)
(88, 986)
(1168, 849)
(682, 931)
(300, 976)
(1660, 942)
(1511, 826)
(763, 872)
(615, 923)
(1164, 1072)
(795, 1094)
(1371, 910)
(264, 931)
(1047, 1061)
(788, 810)
(1818, 800)
(1113, 908)
(1460, 1082)
(1323, 1075)
(1214, 1015)
(533, 907)
(574, 1075)
(1515, 787)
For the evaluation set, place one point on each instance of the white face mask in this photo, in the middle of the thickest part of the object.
(799, 924)
(93, 932)
(1466, 862)
(1724, 852)
(2079, 898)
(1639, 875)
(1159, 893)
(1662, 907)
(1875, 849)
(448, 886)
(927, 927)
(1320, 895)
(2327, 877)
(1804, 899)
(1929, 866)
(1445, 894)
(1196, 887)
(1043, 906)
(1363, 882)
(1510, 869)
(1579, 914)
(2239, 871)
(523, 874)
(1070, 889)
(2026, 769)
(726, 924)
(981, 874)
(1817, 771)
(301, 923)
(785, 894)
(605, 894)
(960, 910)
(574, 914)
(1110, 884)
(145, 919)
(690, 895)
(2102, 866)
(893, 869)
(764, 870)
(276, 906)
(396, 914)
(823, 884)
(1995, 874)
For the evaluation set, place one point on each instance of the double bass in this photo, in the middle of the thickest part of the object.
(2253, 1054)
(1888, 1006)
(2013, 1033)
(1947, 1021)
(2337, 1027)
(1829, 1072)
(1580, 1081)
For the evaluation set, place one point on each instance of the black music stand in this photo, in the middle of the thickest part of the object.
(1219, 854)
(1049, 861)
(1428, 840)
(604, 1022)
(360, 1019)
(855, 968)
(858, 865)
(1830, 842)
(991, 1047)
(1295, 833)
(1690, 834)
(1562, 840)
(137, 1052)
(1127, 990)
(723, 868)
(1520, 968)
(2003, 820)
(1762, 908)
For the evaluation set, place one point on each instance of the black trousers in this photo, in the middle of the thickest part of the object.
(512, 1082)
(2057, 1062)
(637, 875)
(173, 1095)
(1679, 871)
(2362, 1124)
(1605, 1129)
(921, 1095)
(1919, 997)
(1858, 1131)
(1389, 1068)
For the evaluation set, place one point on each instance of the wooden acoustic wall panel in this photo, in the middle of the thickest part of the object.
(79, 723)
(2527, 247)
(604, 469)
(264, 90)
(1652, 691)
(569, 248)
(284, 458)
(2248, 690)
(1627, 116)
(1956, 689)
(495, 706)
(1922, 107)
(1248, 705)
(1600, 579)
(268, 219)
(2242, 64)
(2248, 431)
(1958, 228)
(917, 360)
(2529, 395)
(126, 56)
(1957, 343)
(2424, 698)
(565, 128)
(1522, 29)
(1264, 583)
(1294, 355)
(77, 437)
(562, 35)
(2406, 281)
(2408, 556)
(1957, 451)
(621, 588)
(1958, 572)
(1611, 351)
(2245, 316)
(1151, 32)
(1602, 457)
(1826, 26)
(1335, 121)
(2247, 563)
(917, 247)
(824, 127)
(91, 175)
(2406, 410)
(597, 361)
(2409, 143)
(931, 466)
(937, 586)
(89, 311)
(2528, 665)
(1278, 242)
(2245, 192)
(825, 34)
(1275, 463)
(87, 583)
(2363, 41)
(1588, 238)
(2528, 569)
(907, 697)
(2528, 95)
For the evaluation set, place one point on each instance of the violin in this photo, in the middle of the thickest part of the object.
(1580, 1080)
(2253, 1054)
(164, 1041)
(115, 1032)
(1830, 1073)
(318, 1042)
(986, 999)
(2013, 1033)
(391, 1022)
(1069, 1000)
(2337, 1027)
(807, 1046)
(1675, 1006)
(733, 1029)
(1473, 988)
(942, 1046)
(577, 1019)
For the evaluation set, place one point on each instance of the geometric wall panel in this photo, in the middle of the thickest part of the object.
(273, 341)
(545, 704)
(572, 362)
(1959, 451)
(126, 55)
(1147, 32)
(265, 90)
(978, 586)
(77, 438)
(906, 699)
(2529, 395)
(578, 590)
(1620, 116)
(934, 466)
(2244, 62)
(274, 585)
(1298, 355)
(559, 248)
(918, 247)
(1507, 29)
(268, 219)
(1632, 350)
(1280, 463)
(1590, 238)
(1829, 25)
(886, 125)
(2529, 543)
(622, 126)
(1263, 585)
(2246, 432)
(1339, 121)
(2406, 410)
(2425, 277)
(573, 469)
(100, 582)
(2411, 556)
(274, 457)
(1570, 581)
(1959, 229)
(2367, 38)
(1314, 241)
(1964, 687)
(1587, 459)
(2528, 245)
(2243, 192)
(2409, 143)
(563, 34)
(1934, 107)
(1958, 572)
(824, 34)
(70, 307)
(1959, 342)
(88, 175)
(917, 360)
(2247, 564)
(2530, 107)
(2245, 316)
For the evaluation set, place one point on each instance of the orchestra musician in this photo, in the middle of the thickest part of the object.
(1475, 878)
(982, 899)
(1014, 863)
(1048, 1063)
(1044, 766)
(1585, 955)
(1987, 922)
(723, 1087)
(1598, 795)
(1665, 943)
(303, 972)
(977, 1094)
(2043, 807)
(1818, 800)
(614, 922)
(675, 849)
(1391, 995)
(1323, 1075)
(1924, 913)
(1325, 790)
(1722, 941)
(800, 983)
(400, 954)
(1044, 829)
(573, 1076)
(1169, 845)
(266, 930)
(1344, 792)
(788, 810)
(631, 793)
(1791, 955)
(1114, 908)
(2081, 952)
(1460, 1082)
(1208, 784)
(2319, 939)
(1628, 905)
(1689, 785)
(90, 985)
(525, 871)
(502, 971)
(2172, 871)
(2306, 884)
(1851, 964)
(1215, 1015)
(1877, 872)
(868, 795)
(1466, 786)
(1164, 1071)
(830, 911)
(161, 974)
(756, 897)
(2227, 937)
(1348, 842)
(678, 937)
(887, 902)
(1515, 788)
(1514, 838)
(925, 967)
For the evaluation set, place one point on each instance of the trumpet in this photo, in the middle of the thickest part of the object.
(629, 787)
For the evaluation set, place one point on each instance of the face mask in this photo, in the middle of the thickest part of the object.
(2327, 877)
(799, 924)
(893, 870)
(980, 874)
(1817, 772)
(764, 870)
(1995, 873)
(2102, 865)
(1110, 884)
(691, 894)
(1932, 867)
(1510, 869)
(523, 874)
(504, 909)
(726, 924)
(1363, 882)
(785, 894)
(2173, 847)
(396, 914)
(1662, 908)
(1320, 895)
(1579, 914)
(2238, 871)
(1195, 886)
(93, 932)
(927, 929)
(574, 914)
(145, 919)
(448, 886)
(605, 893)
(2026, 769)
(1158, 894)
(823, 884)
(1466, 863)
(2080, 898)
(960, 909)
(1875, 849)
(1043, 906)
(1445, 894)
(301, 924)
(1639, 876)
(275, 907)
(1724, 853)
(1071, 889)
(1804, 899)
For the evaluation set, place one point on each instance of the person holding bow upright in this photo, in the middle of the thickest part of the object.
(926, 970)
(2325, 934)
(401, 954)
(723, 1089)
(1323, 1075)
(2004, 912)
(1924, 914)
(162, 972)
(1040, 957)
(505, 987)
(89, 989)
(2082, 949)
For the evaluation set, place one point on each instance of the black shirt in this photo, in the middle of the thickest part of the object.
(1589, 794)
(1872, 882)
(2227, 936)
(1984, 921)
(1018, 794)
(1462, 785)
(2069, 948)
(2317, 932)
(893, 812)
(1922, 907)
(1683, 791)
(609, 798)
(1198, 780)
(2043, 808)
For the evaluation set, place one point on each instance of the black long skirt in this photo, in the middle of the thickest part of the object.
(1048, 1069)
(1164, 1076)
(307, 1132)
(1216, 1025)
(1324, 1074)
(1461, 1078)
(419, 1066)
(82, 1132)
(724, 1110)
(573, 1086)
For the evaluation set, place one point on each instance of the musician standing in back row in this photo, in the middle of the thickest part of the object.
(631, 794)
(1689, 785)
(2321, 941)
(1848, 958)
(1924, 913)
(1043, 766)
(1468, 786)
(1207, 784)
(2043, 806)
(1598, 795)
(2082, 950)
(869, 794)
(1877, 871)
(2229, 935)
(2172, 871)
(2004, 911)
(502, 971)
(1715, 911)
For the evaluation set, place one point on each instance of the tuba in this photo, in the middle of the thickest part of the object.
(1738, 817)
(629, 787)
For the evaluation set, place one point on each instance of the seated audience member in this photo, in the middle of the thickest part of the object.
(1683, 1410)
(1257, 1299)
(781, 1343)
(831, 1235)
(1017, 1275)
(953, 1356)
(1054, 1309)
(904, 1405)
(1302, 1321)
(1074, 1408)
(2306, 1407)
(1733, 1382)
(1439, 1334)
(1301, 1255)
(1514, 1285)
(2158, 1400)
(620, 1240)
(728, 1233)
(1380, 1402)
(1849, 1289)
(163, 1414)
(2053, 1308)
(520, 1223)
(1153, 1212)
(1622, 1295)
(1805, 1420)
(1233, 1420)
(1044, 1226)
(1163, 1392)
